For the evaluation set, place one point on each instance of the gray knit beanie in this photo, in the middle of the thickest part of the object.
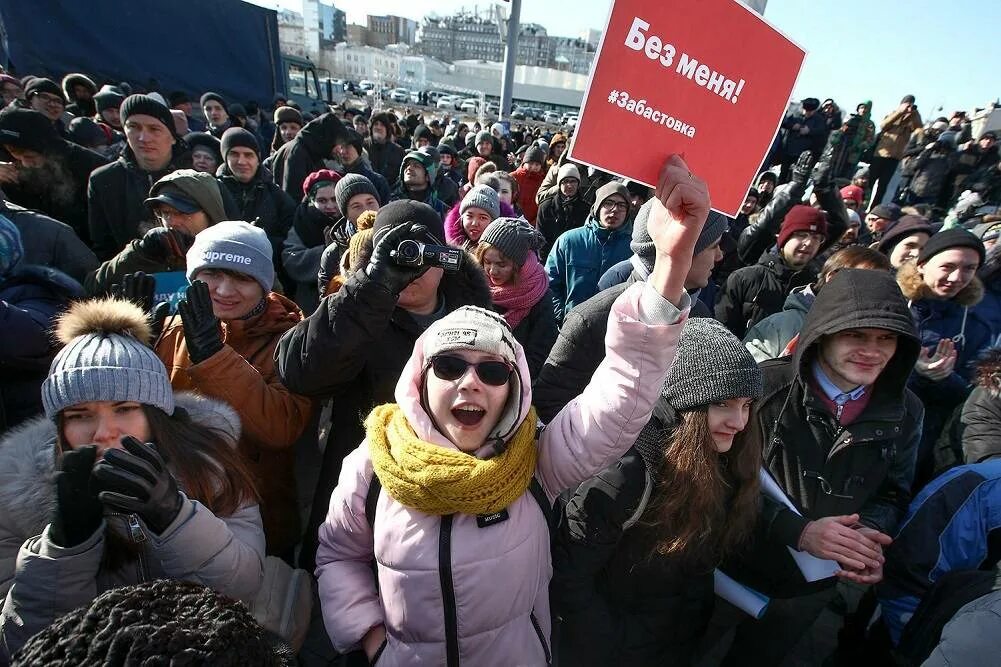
(514, 237)
(534, 154)
(351, 185)
(483, 197)
(233, 245)
(711, 365)
(642, 245)
(483, 135)
(105, 358)
(606, 191)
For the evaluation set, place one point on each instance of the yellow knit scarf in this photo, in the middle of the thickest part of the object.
(436, 480)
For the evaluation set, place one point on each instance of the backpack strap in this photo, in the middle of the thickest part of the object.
(540, 497)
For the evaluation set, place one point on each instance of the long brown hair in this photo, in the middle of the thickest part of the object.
(705, 503)
(481, 249)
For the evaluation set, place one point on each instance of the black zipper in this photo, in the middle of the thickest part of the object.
(542, 639)
(448, 591)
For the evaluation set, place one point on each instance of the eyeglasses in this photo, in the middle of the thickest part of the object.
(166, 216)
(51, 100)
(614, 205)
(825, 486)
(493, 373)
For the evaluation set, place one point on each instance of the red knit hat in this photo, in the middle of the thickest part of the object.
(802, 218)
(319, 176)
(852, 192)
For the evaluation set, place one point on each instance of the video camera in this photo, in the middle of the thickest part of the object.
(413, 253)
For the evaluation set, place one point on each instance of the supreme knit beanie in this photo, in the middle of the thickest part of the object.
(534, 154)
(956, 237)
(106, 357)
(711, 365)
(642, 245)
(147, 106)
(802, 218)
(287, 115)
(26, 129)
(351, 185)
(606, 191)
(515, 237)
(237, 136)
(483, 197)
(108, 97)
(233, 245)
(11, 248)
(213, 97)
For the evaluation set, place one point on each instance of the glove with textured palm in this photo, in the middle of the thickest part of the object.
(78, 512)
(135, 480)
(201, 327)
(383, 269)
(801, 169)
(161, 244)
(140, 289)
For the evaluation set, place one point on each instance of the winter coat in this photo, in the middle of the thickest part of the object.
(769, 337)
(242, 374)
(980, 419)
(929, 172)
(868, 463)
(445, 189)
(795, 143)
(954, 524)
(363, 168)
(299, 158)
(301, 254)
(754, 292)
(579, 258)
(130, 260)
(536, 332)
(550, 186)
(116, 195)
(263, 204)
(528, 186)
(429, 198)
(352, 350)
(620, 603)
(478, 608)
(48, 242)
(43, 581)
(972, 634)
(30, 300)
(895, 130)
(557, 215)
(937, 319)
(65, 198)
(386, 159)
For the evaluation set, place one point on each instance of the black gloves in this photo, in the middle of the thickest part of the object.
(78, 511)
(201, 328)
(801, 170)
(136, 481)
(161, 244)
(139, 288)
(330, 266)
(384, 270)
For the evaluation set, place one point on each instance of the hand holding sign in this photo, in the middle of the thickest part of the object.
(677, 215)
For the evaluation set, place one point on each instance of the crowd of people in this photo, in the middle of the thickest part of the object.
(417, 391)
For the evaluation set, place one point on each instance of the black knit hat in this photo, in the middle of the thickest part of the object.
(109, 97)
(403, 211)
(351, 185)
(287, 115)
(901, 229)
(237, 110)
(147, 106)
(952, 238)
(711, 365)
(204, 140)
(41, 85)
(213, 97)
(26, 129)
(237, 136)
(514, 237)
(178, 97)
(85, 132)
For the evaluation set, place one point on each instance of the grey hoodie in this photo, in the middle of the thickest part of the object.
(769, 337)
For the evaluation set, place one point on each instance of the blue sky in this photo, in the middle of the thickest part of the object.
(945, 54)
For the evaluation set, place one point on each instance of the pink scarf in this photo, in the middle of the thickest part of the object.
(519, 298)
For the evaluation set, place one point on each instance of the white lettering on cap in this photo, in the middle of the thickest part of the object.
(457, 337)
(211, 256)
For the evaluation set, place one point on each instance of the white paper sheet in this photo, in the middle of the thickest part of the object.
(746, 599)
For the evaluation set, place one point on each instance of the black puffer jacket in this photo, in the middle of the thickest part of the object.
(263, 204)
(352, 350)
(619, 603)
(754, 292)
(537, 332)
(386, 159)
(302, 251)
(299, 158)
(869, 464)
(116, 211)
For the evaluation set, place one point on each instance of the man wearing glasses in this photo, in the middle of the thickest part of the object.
(580, 256)
(840, 432)
(46, 96)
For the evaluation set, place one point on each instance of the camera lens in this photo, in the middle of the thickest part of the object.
(409, 251)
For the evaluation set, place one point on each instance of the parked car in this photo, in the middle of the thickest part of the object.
(551, 117)
(399, 95)
(366, 85)
(572, 121)
(470, 105)
(445, 102)
(517, 113)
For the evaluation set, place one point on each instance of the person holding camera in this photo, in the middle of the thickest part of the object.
(356, 343)
(930, 171)
(895, 130)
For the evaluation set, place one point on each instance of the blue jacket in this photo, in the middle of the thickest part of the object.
(579, 258)
(949, 527)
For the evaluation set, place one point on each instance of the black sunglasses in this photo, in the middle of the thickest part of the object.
(448, 367)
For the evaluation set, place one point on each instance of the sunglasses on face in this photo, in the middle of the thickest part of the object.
(493, 373)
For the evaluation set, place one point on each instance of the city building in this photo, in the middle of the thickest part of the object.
(472, 36)
(291, 35)
(572, 54)
(333, 25)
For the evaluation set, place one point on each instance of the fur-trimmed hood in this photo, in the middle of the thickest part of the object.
(914, 288)
(75, 78)
(989, 371)
(27, 467)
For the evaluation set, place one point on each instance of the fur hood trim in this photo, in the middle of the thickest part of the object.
(27, 462)
(76, 78)
(989, 371)
(914, 288)
(103, 316)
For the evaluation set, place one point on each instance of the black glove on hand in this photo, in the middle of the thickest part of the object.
(161, 244)
(201, 328)
(140, 288)
(136, 481)
(78, 511)
(330, 266)
(801, 170)
(383, 269)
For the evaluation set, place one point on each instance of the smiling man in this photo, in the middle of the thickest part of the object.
(840, 430)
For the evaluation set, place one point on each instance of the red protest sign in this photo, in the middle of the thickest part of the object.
(709, 79)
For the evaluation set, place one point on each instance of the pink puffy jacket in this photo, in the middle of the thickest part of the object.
(452, 593)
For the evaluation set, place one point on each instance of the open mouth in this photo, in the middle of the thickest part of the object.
(469, 415)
